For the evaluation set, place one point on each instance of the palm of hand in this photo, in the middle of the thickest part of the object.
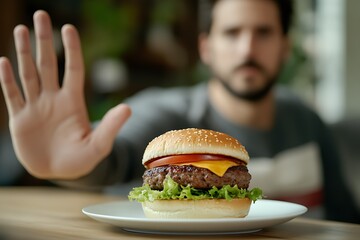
(51, 133)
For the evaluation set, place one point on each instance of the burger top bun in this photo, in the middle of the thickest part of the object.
(194, 141)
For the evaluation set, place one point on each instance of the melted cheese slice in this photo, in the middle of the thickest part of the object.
(217, 167)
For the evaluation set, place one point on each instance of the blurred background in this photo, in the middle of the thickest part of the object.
(130, 45)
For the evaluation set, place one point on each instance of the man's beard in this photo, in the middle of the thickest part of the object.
(251, 96)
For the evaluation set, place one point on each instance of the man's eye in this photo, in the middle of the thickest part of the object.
(264, 32)
(231, 33)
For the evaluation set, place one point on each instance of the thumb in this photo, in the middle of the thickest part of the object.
(104, 134)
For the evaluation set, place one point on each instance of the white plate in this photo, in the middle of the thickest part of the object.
(130, 217)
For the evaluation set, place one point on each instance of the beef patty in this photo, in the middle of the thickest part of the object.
(196, 177)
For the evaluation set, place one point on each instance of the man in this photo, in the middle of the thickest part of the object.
(247, 42)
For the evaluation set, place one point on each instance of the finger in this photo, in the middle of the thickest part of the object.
(74, 65)
(104, 135)
(45, 54)
(27, 70)
(12, 94)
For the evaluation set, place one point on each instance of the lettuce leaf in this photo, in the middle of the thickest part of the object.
(172, 190)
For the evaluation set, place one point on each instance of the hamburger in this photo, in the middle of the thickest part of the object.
(195, 173)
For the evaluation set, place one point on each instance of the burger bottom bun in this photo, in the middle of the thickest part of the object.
(209, 208)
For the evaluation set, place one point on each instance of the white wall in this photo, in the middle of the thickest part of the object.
(330, 59)
(338, 62)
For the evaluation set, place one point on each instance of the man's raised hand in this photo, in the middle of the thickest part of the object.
(49, 124)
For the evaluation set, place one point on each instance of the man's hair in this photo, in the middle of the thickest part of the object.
(206, 14)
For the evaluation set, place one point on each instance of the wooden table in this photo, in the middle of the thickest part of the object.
(55, 213)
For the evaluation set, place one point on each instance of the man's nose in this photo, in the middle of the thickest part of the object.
(246, 44)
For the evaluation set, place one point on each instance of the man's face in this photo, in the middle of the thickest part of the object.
(246, 46)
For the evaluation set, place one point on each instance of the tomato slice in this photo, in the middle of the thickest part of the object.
(185, 158)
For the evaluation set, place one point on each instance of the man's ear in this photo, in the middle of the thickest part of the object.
(203, 44)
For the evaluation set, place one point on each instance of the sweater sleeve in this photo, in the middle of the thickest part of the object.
(339, 201)
(154, 111)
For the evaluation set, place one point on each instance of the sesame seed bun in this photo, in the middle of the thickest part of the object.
(194, 141)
